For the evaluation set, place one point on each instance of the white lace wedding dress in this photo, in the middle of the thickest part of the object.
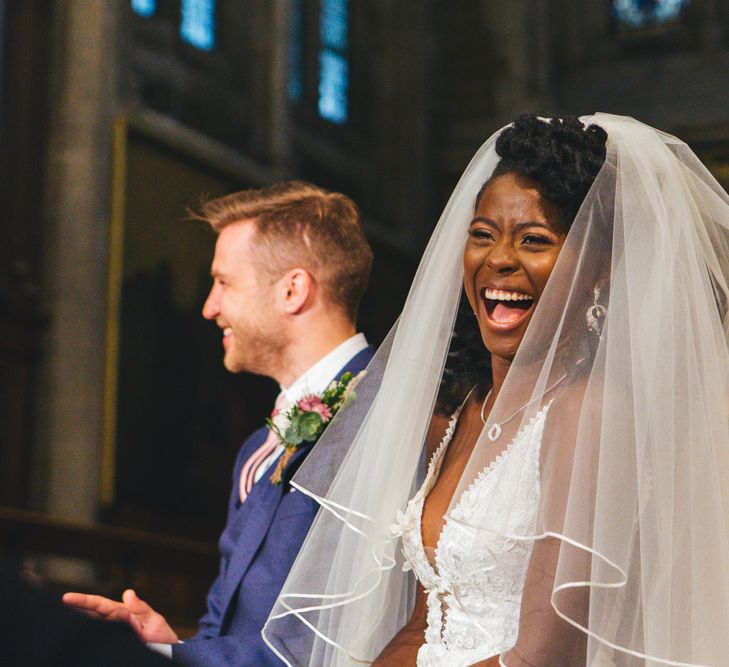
(474, 586)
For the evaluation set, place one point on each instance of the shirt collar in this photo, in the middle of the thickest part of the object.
(317, 378)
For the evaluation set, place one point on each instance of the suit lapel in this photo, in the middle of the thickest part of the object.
(355, 365)
(256, 513)
(254, 516)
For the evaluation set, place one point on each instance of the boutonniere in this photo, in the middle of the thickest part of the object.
(306, 420)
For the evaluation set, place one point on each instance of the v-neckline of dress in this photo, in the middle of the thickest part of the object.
(433, 472)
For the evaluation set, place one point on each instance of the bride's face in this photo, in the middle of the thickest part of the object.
(513, 243)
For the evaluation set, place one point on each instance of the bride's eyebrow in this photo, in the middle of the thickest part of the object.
(486, 221)
(518, 227)
(534, 223)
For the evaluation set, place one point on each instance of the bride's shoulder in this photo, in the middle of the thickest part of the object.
(580, 404)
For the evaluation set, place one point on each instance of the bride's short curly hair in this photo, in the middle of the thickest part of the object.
(563, 154)
(468, 362)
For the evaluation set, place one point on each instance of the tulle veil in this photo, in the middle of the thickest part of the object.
(634, 488)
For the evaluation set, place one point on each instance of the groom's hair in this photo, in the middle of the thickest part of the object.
(301, 225)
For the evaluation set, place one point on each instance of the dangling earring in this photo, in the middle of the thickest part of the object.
(595, 313)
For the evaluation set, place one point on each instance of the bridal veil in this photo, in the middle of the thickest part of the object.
(629, 342)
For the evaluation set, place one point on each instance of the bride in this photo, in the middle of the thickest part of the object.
(574, 509)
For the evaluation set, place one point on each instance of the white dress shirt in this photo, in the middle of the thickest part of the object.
(314, 381)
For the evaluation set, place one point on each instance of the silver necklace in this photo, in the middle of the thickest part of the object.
(495, 430)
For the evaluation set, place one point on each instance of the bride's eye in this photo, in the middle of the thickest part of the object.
(535, 239)
(480, 234)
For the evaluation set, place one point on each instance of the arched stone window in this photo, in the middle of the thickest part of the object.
(319, 57)
(197, 20)
(197, 23)
(144, 8)
(642, 13)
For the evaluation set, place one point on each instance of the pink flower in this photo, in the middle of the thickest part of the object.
(275, 412)
(312, 403)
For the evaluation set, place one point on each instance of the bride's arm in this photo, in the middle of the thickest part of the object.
(545, 640)
(403, 647)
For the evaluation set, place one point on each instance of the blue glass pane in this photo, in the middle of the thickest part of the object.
(198, 23)
(296, 45)
(334, 24)
(333, 85)
(144, 7)
(636, 13)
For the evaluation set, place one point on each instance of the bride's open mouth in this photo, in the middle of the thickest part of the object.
(506, 309)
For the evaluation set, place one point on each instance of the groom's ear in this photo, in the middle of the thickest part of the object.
(296, 290)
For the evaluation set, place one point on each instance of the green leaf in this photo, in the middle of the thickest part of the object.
(330, 393)
(310, 424)
(293, 436)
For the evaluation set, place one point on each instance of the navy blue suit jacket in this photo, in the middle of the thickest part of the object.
(258, 546)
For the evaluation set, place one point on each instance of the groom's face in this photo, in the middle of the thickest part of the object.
(241, 301)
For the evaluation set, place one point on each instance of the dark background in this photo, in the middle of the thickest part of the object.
(115, 411)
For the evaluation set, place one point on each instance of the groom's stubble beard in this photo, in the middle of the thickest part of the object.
(260, 347)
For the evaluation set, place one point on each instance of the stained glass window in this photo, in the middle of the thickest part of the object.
(198, 23)
(639, 13)
(296, 50)
(144, 7)
(333, 61)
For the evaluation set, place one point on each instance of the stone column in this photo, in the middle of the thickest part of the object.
(519, 33)
(69, 414)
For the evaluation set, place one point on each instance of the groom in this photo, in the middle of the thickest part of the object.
(291, 264)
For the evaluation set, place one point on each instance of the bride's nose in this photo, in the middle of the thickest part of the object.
(501, 258)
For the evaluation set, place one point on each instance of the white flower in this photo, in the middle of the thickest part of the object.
(404, 522)
(281, 420)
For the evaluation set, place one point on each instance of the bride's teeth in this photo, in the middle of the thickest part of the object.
(501, 295)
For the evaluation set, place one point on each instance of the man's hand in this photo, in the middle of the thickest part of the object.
(147, 623)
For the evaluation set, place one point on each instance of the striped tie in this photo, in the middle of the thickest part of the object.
(252, 465)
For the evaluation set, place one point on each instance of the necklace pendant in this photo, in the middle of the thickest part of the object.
(494, 433)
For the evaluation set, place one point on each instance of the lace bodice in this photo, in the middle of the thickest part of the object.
(474, 588)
